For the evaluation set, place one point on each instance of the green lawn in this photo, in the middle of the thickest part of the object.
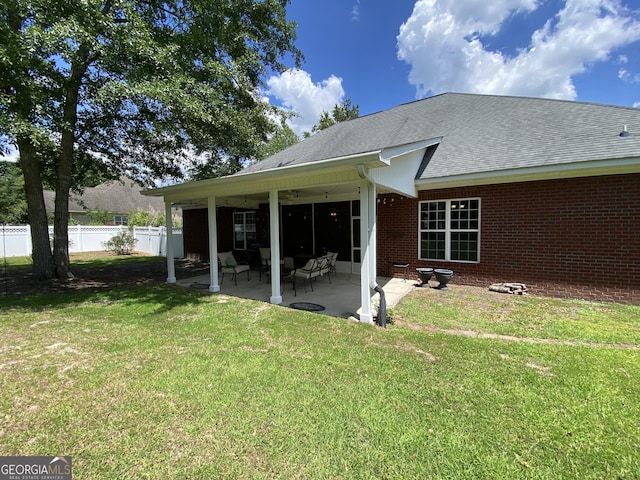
(165, 382)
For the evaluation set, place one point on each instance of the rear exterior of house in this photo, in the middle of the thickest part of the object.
(576, 238)
(497, 189)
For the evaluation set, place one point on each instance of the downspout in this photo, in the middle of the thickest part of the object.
(382, 310)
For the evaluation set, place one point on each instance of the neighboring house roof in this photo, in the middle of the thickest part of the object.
(118, 196)
(479, 133)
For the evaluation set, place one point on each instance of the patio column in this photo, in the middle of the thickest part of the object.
(214, 286)
(274, 227)
(171, 267)
(373, 242)
(366, 315)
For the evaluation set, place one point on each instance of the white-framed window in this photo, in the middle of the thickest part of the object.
(120, 220)
(244, 230)
(449, 230)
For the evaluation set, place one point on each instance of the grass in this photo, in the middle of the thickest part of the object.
(537, 317)
(161, 381)
(89, 259)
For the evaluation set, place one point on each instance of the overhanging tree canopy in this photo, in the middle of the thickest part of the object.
(133, 86)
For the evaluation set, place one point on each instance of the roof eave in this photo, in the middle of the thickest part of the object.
(529, 174)
(235, 182)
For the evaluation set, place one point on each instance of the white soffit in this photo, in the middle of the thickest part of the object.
(403, 164)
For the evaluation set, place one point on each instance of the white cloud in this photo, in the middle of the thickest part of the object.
(355, 11)
(298, 93)
(441, 41)
(636, 105)
(628, 77)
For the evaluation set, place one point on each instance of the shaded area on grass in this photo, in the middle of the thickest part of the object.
(96, 271)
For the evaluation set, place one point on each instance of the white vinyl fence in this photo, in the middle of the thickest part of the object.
(15, 240)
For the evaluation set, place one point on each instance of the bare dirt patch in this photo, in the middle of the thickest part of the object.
(89, 277)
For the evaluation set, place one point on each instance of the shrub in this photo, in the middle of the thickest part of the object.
(121, 244)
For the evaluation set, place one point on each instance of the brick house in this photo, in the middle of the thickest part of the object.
(495, 188)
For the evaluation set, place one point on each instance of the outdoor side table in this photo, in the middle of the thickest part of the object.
(404, 267)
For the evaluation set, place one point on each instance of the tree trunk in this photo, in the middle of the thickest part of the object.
(61, 217)
(43, 267)
(64, 166)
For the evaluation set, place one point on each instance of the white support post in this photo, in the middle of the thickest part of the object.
(171, 267)
(373, 221)
(214, 286)
(366, 315)
(274, 228)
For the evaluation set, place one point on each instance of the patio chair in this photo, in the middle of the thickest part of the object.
(228, 264)
(265, 256)
(265, 259)
(310, 271)
(324, 265)
(333, 257)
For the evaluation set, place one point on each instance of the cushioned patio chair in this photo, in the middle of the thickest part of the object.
(310, 271)
(330, 268)
(324, 265)
(228, 264)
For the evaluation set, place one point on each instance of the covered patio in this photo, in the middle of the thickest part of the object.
(289, 180)
(340, 298)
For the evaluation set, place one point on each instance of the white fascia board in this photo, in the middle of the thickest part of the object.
(388, 154)
(404, 162)
(553, 172)
(283, 177)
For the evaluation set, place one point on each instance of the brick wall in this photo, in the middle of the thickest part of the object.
(575, 237)
(196, 232)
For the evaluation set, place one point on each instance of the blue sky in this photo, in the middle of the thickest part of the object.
(380, 53)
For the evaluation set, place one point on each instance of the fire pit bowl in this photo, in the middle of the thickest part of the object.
(425, 275)
(443, 276)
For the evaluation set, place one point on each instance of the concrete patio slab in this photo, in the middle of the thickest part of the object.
(340, 297)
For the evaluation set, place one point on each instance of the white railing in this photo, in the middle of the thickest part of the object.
(15, 240)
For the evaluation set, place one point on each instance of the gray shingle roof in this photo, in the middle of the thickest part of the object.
(480, 133)
(121, 196)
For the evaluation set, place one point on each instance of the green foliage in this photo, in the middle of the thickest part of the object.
(340, 113)
(284, 137)
(146, 218)
(13, 203)
(99, 88)
(152, 78)
(122, 243)
(100, 217)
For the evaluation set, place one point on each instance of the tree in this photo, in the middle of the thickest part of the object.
(340, 113)
(284, 137)
(13, 205)
(131, 86)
